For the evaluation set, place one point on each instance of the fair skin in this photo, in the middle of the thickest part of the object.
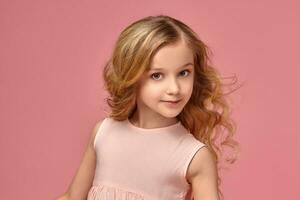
(174, 81)
(202, 175)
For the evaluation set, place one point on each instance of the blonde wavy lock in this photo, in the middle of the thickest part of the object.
(207, 113)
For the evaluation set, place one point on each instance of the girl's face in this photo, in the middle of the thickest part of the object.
(170, 78)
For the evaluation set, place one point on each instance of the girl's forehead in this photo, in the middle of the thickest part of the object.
(176, 55)
(173, 49)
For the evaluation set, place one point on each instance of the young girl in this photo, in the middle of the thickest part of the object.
(159, 142)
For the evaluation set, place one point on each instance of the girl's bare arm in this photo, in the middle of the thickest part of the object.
(202, 174)
(83, 179)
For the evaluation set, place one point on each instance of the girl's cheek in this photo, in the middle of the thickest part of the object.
(149, 89)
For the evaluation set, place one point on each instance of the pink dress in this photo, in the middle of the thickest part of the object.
(142, 164)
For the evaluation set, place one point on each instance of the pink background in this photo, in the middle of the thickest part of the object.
(52, 54)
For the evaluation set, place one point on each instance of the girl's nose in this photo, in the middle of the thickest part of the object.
(173, 86)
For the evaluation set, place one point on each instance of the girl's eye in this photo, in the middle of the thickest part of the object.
(156, 76)
(186, 71)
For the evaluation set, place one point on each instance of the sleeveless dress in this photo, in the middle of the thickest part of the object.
(134, 163)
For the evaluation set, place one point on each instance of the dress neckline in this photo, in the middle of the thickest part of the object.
(149, 130)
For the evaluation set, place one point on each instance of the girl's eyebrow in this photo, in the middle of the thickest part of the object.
(159, 68)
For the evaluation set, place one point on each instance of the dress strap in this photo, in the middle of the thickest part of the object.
(99, 131)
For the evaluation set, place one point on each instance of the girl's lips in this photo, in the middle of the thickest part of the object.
(172, 101)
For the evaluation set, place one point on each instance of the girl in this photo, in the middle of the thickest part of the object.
(159, 142)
